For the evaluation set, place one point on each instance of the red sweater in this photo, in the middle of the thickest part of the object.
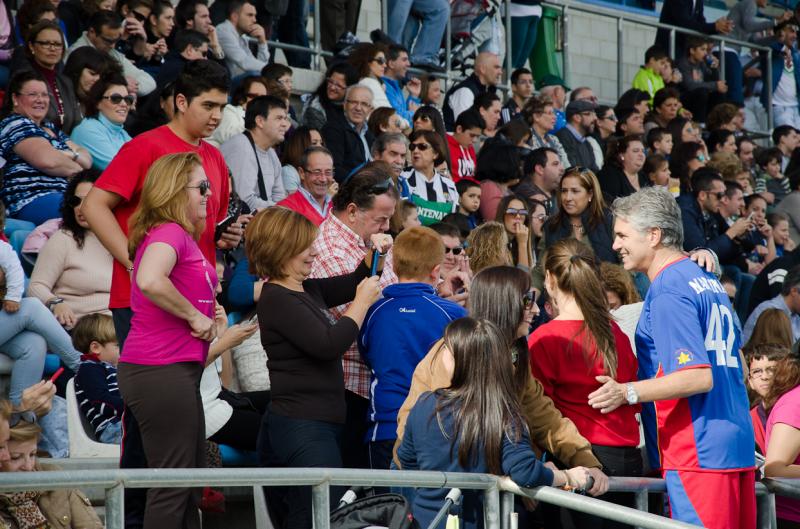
(462, 159)
(297, 202)
(558, 361)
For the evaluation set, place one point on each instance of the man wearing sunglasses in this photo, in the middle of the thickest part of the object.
(105, 31)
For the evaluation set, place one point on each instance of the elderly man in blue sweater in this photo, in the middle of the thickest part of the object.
(398, 332)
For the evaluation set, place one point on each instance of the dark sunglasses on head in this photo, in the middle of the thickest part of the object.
(421, 146)
(119, 98)
(381, 188)
(17, 416)
(203, 187)
(74, 201)
(455, 251)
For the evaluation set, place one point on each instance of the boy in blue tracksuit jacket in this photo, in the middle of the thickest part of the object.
(398, 332)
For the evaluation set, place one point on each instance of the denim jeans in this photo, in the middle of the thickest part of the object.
(291, 29)
(523, 38)
(404, 28)
(296, 443)
(42, 209)
(25, 336)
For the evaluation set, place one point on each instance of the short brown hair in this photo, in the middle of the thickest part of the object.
(93, 328)
(727, 163)
(416, 252)
(274, 236)
(618, 280)
(720, 115)
(436, 142)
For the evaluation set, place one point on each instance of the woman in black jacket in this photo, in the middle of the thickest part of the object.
(621, 175)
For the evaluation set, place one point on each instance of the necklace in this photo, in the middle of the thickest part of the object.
(578, 228)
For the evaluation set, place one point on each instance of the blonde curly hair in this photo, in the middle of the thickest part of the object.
(487, 245)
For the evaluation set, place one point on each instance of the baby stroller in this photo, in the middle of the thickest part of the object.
(391, 511)
(476, 26)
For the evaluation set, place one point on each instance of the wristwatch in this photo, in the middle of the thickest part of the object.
(75, 156)
(630, 394)
(53, 302)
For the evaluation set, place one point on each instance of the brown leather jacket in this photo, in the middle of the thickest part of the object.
(548, 428)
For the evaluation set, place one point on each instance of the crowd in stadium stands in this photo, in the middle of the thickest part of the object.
(573, 290)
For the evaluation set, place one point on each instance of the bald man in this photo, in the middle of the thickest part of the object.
(486, 76)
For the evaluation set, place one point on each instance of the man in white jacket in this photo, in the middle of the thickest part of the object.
(235, 35)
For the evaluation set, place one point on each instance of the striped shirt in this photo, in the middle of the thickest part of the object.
(97, 393)
(23, 183)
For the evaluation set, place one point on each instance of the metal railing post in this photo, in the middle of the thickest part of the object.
(491, 508)
(448, 46)
(620, 42)
(766, 511)
(770, 116)
(565, 45)
(115, 507)
(506, 509)
(321, 504)
(317, 37)
(642, 500)
(672, 43)
(385, 17)
(722, 60)
(509, 55)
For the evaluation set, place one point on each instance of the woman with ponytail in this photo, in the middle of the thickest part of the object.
(581, 343)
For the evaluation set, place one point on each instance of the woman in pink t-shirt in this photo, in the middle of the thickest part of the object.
(173, 298)
(783, 435)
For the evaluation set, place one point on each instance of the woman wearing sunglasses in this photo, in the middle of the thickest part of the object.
(513, 212)
(72, 275)
(579, 344)
(107, 106)
(370, 62)
(63, 508)
(434, 194)
(173, 290)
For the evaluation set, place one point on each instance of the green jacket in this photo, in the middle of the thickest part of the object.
(649, 81)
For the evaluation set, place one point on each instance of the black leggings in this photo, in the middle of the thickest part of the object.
(241, 430)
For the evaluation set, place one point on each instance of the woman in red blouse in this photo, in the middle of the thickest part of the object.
(581, 343)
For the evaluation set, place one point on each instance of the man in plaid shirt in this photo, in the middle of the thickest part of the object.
(361, 208)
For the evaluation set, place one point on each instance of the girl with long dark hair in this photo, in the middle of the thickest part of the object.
(475, 424)
(579, 344)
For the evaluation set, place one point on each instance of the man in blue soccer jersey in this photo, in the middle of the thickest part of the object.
(695, 416)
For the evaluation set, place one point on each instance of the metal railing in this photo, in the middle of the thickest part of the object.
(498, 492)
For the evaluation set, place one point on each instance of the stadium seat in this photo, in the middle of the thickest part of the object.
(82, 442)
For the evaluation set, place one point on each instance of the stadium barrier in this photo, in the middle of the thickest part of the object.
(497, 511)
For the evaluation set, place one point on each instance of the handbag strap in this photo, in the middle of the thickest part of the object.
(262, 190)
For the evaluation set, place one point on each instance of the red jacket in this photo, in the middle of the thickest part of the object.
(299, 203)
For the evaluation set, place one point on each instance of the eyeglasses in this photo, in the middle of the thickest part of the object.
(528, 299)
(74, 201)
(203, 187)
(379, 60)
(119, 98)
(362, 104)
(760, 373)
(109, 41)
(540, 217)
(51, 44)
(16, 416)
(381, 188)
(455, 251)
(319, 172)
(421, 146)
(610, 118)
(334, 84)
(35, 95)
(718, 194)
(513, 212)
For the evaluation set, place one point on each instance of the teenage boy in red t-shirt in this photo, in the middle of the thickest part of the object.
(469, 126)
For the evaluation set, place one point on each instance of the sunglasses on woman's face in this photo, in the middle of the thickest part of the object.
(203, 187)
(74, 201)
(455, 251)
(513, 212)
(119, 98)
(529, 299)
(421, 146)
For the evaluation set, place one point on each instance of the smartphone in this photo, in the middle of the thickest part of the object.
(56, 374)
(376, 256)
(225, 223)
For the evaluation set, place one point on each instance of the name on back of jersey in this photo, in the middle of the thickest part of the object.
(702, 284)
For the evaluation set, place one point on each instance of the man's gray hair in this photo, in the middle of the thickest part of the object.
(384, 140)
(652, 207)
(359, 87)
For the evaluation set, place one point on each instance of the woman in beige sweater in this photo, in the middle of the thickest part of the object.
(72, 275)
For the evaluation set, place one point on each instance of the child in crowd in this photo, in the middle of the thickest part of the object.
(648, 78)
(469, 201)
(700, 73)
(659, 141)
(770, 178)
(760, 234)
(12, 278)
(656, 168)
(96, 380)
(406, 216)
(469, 125)
(780, 233)
(761, 361)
